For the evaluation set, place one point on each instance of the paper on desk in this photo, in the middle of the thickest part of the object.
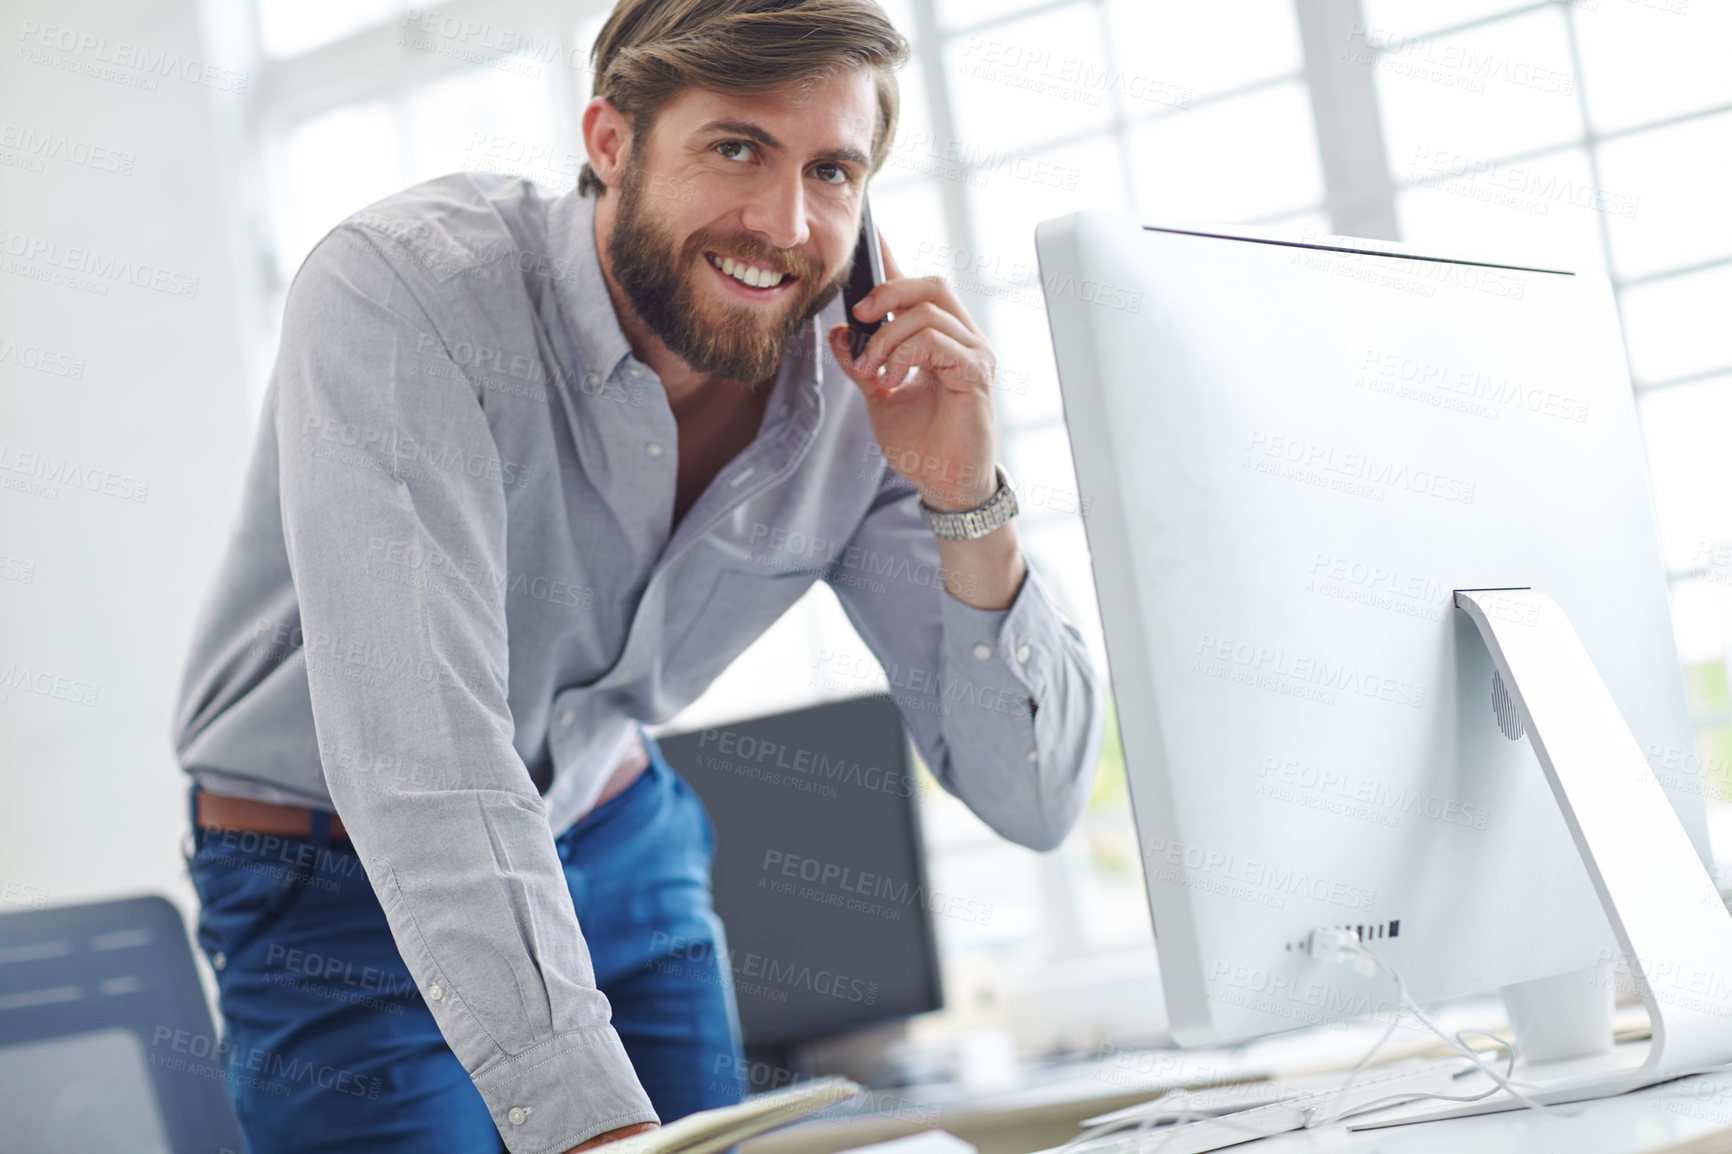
(1405, 1080)
(1228, 1098)
(712, 1130)
(1208, 1100)
(927, 1142)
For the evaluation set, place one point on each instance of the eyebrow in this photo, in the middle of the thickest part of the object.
(754, 133)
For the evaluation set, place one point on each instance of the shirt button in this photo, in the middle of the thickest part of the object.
(1034, 755)
(983, 651)
(436, 992)
(594, 379)
(635, 370)
(219, 961)
(1022, 652)
(517, 1115)
(654, 448)
(565, 716)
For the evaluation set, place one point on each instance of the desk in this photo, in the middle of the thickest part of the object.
(1651, 1120)
(1046, 1109)
(1648, 1121)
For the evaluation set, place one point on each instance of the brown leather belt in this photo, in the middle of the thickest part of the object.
(216, 811)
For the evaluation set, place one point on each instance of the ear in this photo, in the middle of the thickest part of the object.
(607, 139)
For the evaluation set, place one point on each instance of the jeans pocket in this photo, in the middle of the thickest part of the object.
(699, 815)
(241, 895)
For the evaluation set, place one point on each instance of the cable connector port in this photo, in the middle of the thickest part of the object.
(1340, 946)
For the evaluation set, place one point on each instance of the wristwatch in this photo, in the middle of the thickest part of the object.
(978, 521)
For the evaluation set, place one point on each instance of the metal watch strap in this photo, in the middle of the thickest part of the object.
(978, 521)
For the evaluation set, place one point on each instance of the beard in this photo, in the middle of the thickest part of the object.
(658, 276)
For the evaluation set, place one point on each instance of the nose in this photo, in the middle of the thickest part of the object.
(778, 211)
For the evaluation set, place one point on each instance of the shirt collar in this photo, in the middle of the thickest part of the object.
(583, 295)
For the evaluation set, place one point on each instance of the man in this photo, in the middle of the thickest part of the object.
(526, 477)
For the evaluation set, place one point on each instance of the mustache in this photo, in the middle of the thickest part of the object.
(791, 262)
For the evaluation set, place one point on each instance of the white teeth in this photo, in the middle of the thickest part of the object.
(748, 274)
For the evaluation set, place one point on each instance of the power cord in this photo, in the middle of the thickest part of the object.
(1344, 946)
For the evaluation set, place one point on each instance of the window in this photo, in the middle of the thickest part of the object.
(1598, 134)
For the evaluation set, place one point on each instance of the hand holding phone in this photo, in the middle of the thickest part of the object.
(927, 385)
(868, 274)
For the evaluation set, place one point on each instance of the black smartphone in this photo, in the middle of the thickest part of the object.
(868, 274)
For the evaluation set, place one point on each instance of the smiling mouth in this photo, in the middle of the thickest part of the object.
(749, 275)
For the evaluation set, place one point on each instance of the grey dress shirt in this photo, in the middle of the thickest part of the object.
(454, 590)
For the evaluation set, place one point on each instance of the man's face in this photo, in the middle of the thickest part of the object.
(737, 218)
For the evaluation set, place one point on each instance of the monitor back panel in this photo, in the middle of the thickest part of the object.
(1289, 457)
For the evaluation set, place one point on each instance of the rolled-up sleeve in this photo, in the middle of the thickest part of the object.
(1004, 705)
(386, 454)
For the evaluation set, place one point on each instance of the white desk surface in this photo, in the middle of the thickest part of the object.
(1647, 1122)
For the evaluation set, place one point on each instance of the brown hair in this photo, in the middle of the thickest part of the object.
(650, 51)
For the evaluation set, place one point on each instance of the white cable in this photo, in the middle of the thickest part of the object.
(1345, 946)
(1394, 1099)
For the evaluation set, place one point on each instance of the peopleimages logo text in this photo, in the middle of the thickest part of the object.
(1360, 468)
(1258, 873)
(1310, 669)
(745, 748)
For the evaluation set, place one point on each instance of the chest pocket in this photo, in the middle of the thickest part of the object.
(735, 612)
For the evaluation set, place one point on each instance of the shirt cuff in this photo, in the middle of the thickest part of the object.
(1016, 646)
(564, 1092)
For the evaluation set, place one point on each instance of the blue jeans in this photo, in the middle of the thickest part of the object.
(327, 1043)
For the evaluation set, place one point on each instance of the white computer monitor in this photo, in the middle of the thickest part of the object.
(1292, 452)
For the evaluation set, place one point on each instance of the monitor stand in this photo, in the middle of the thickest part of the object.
(1667, 916)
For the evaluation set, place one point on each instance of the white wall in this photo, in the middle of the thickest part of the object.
(109, 145)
